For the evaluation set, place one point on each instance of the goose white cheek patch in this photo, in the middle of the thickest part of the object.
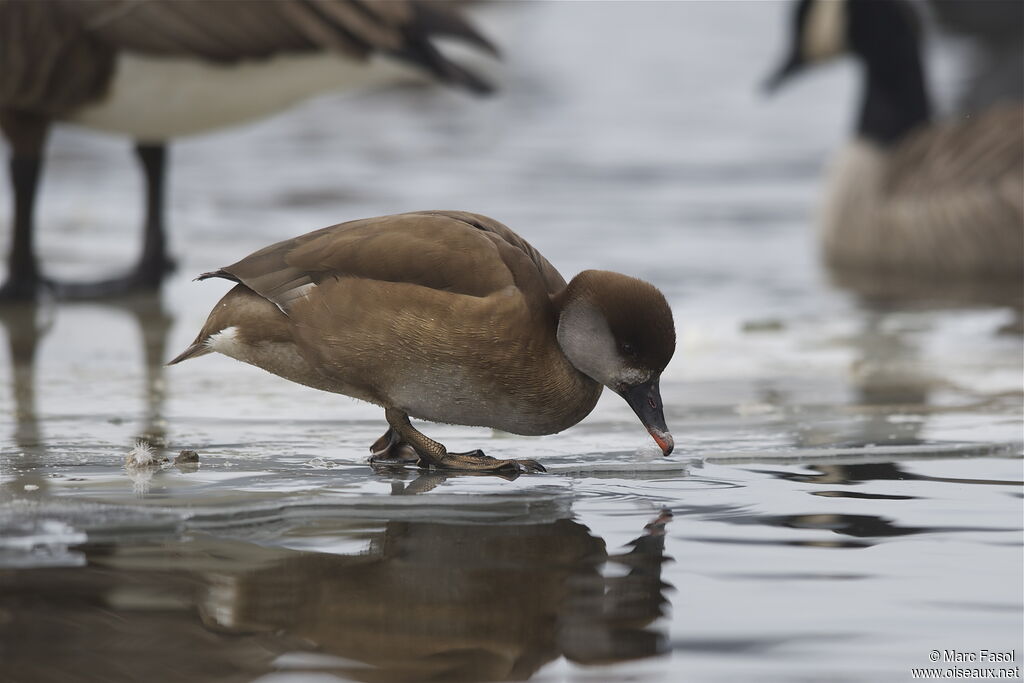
(824, 30)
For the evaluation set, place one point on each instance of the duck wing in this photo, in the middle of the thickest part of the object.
(449, 251)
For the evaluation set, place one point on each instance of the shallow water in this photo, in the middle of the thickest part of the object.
(845, 496)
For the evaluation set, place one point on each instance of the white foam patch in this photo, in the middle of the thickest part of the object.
(141, 455)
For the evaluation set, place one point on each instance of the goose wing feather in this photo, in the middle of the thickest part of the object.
(59, 54)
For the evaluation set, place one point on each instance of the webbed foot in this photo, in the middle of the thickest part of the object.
(390, 449)
(144, 278)
(433, 454)
(23, 289)
(476, 461)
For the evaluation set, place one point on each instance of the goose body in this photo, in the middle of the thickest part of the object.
(947, 199)
(157, 98)
(909, 195)
(159, 69)
(447, 317)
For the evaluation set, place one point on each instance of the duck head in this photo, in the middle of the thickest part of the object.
(877, 31)
(618, 331)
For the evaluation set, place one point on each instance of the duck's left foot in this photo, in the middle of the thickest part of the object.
(478, 462)
(390, 449)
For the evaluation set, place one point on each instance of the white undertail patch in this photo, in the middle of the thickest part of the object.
(226, 342)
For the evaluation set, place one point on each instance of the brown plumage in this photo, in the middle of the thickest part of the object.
(445, 316)
(159, 69)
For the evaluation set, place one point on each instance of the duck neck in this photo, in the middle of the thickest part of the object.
(895, 97)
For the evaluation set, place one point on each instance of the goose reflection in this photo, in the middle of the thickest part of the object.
(26, 326)
(407, 600)
(886, 292)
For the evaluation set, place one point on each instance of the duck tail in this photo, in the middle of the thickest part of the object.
(195, 349)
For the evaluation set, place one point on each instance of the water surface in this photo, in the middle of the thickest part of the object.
(846, 492)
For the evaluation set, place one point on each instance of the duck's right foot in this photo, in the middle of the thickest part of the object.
(476, 461)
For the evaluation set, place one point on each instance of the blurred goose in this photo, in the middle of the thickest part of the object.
(449, 317)
(909, 195)
(158, 69)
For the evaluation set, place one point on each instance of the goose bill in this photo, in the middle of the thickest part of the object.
(782, 74)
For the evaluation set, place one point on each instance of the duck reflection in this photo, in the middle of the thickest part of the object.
(417, 601)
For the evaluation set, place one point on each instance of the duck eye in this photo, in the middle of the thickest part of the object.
(627, 349)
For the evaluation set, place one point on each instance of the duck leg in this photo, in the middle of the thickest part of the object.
(432, 453)
(155, 262)
(26, 135)
(389, 448)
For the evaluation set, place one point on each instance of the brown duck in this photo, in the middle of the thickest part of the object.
(445, 316)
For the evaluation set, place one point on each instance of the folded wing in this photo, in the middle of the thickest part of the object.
(456, 252)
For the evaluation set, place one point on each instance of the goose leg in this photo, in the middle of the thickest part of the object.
(26, 134)
(154, 262)
(432, 453)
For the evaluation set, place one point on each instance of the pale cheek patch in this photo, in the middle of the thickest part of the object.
(824, 30)
(633, 376)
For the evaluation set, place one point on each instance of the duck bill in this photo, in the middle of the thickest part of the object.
(645, 400)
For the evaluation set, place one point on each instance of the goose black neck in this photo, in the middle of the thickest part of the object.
(895, 96)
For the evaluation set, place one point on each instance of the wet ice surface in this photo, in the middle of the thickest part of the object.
(846, 492)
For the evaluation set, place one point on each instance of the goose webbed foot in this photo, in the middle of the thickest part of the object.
(23, 289)
(146, 277)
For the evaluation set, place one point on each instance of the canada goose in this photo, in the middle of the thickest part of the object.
(157, 69)
(912, 196)
(449, 317)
